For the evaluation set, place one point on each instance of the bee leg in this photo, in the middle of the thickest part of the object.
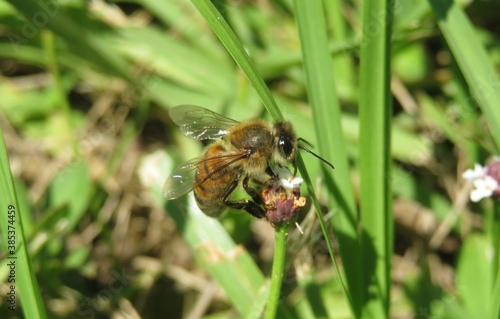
(249, 206)
(257, 198)
(271, 173)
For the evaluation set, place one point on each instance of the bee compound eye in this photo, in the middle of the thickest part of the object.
(285, 145)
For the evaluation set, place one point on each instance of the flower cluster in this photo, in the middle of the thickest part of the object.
(486, 180)
(282, 197)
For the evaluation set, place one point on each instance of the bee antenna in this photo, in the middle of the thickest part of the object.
(300, 139)
(316, 155)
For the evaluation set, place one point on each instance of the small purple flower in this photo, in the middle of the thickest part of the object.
(486, 180)
(282, 197)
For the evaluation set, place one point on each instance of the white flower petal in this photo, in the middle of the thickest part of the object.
(479, 183)
(286, 179)
(490, 183)
(283, 172)
(476, 195)
(472, 174)
(483, 187)
(485, 183)
(294, 182)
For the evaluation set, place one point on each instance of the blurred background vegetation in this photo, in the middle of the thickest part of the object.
(84, 91)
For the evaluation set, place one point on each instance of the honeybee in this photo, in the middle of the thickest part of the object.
(242, 153)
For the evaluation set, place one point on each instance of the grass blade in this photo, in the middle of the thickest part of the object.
(230, 265)
(342, 63)
(375, 114)
(237, 51)
(90, 44)
(472, 59)
(22, 276)
(326, 109)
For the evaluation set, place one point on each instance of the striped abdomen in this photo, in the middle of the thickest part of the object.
(213, 177)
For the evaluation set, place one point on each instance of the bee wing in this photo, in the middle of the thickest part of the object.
(182, 179)
(199, 123)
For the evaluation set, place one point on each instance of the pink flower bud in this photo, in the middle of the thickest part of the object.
(282, 199)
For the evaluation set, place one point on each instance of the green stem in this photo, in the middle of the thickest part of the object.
(493, 227)
(51, 61)
(278, 268)
(495, 242)
(495, 238)
(495, 305)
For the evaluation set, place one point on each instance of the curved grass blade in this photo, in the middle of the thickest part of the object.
(472, 59)
(88, 42)
(233, 45)
(22, 279)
